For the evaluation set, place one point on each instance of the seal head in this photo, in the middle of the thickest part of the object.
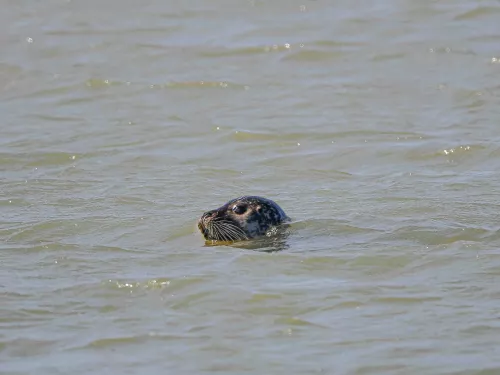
(243, 218)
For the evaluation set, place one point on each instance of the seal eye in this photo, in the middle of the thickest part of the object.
(239, 209)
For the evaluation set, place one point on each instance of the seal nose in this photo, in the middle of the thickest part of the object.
(211, 214)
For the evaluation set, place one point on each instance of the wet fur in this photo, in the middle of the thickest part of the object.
(261, 217)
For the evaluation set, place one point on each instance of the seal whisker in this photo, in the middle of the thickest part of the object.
(238, 232)
(231, 233)
(224, 235)
(225, 231)
(213, 231)
(217, 234)
(232, 229)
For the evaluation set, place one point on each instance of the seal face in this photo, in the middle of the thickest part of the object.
(242, 218)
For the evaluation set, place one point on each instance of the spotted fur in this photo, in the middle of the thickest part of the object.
(242, 218)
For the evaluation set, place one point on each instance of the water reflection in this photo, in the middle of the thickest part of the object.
(271, 244)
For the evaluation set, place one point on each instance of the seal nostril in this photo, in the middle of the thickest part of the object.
(209, 214)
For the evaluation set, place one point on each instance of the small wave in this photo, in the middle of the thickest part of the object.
(478, 12)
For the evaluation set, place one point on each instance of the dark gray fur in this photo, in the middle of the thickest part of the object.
(261, 217)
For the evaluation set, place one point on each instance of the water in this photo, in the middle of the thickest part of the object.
(374, 126)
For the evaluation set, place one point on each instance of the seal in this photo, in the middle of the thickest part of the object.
(243, 218)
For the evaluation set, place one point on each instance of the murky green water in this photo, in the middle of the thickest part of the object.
(375, 127)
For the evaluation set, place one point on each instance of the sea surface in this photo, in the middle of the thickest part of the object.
(374, 124)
